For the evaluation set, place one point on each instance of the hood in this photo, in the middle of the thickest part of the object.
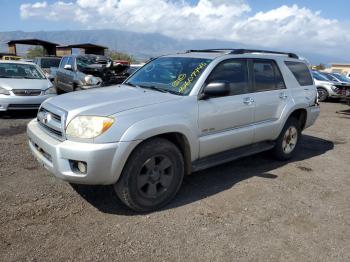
(13, 83)
(109, 100)
(319, 82)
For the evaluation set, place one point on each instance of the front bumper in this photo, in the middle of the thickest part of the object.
(12, 102)
(312, 114)
(104, 161)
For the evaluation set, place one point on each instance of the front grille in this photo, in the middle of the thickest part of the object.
(26, 92)
(23, 106)
(52, 121)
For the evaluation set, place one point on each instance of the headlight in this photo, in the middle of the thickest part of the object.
(334, 88)
(88, 126)
(92, 80)
(50, 91)
(4, 91)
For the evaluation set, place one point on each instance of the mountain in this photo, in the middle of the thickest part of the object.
(140, 45)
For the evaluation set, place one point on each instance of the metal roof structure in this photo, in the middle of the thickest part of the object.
(88, 48)
(48, 47)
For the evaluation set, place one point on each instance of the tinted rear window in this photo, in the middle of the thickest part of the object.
(50, 62)
(301, 72)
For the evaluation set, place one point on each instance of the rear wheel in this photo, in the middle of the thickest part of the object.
(152, 175)
(288, 141)
(322, 94)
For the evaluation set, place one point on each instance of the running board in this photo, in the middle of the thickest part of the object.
(230, 155)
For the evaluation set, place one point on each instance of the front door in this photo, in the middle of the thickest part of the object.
(226, 122)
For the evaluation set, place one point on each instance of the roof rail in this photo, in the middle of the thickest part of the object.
(245, 51)
(219, 50)
(242, 51)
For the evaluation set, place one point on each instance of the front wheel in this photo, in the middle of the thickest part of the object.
(152, 175)
(322, 94)
(288, 141)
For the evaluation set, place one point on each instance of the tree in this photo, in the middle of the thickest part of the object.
(320, 67)
(114, 55)
(35, 52)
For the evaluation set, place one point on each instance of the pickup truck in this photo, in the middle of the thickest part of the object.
(80, 72)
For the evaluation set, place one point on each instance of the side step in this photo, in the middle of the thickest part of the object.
(230, 155)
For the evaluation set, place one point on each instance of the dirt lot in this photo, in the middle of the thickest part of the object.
(254, 209)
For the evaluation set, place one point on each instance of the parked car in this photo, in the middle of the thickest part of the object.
(79, 72)
(325, 88)
(49, 65)
(340, 78)
(23, 85)
(331, 77)
(176, 115)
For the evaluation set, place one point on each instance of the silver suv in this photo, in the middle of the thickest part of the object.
(176, 115)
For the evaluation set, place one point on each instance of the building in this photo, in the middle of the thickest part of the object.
(342, 68)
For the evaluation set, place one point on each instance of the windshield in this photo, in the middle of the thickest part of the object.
(342, 78)
(170, 74)
(20, 71)
(319, 77)
(330, 77)
(50, 62)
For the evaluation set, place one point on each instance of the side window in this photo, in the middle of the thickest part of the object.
(63, 62)
(71, 62)
(267, 76)
(233, 71)
(301, 72)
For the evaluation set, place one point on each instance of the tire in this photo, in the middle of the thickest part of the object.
(288, 141)
(59, 91)
(76, 88)
(152, 175)
(322, 94)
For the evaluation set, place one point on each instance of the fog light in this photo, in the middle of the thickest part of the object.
(82, 167)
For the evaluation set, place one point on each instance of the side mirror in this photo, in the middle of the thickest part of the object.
(68, 67)
(216, 89)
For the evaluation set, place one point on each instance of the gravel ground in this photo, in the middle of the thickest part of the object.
(253, 209)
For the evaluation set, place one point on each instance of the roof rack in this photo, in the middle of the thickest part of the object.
(243, 51)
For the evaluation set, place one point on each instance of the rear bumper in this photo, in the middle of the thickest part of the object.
(104, 161)
(12, 102)
(312, 114)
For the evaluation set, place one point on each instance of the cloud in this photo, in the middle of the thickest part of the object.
(286, 27)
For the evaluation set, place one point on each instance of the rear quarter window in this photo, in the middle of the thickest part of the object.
(301, 72)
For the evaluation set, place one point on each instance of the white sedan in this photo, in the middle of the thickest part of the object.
(23, 85)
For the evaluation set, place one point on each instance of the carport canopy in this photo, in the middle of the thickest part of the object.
(48, 47)
(87, 47)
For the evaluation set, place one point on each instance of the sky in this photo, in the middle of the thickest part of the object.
(286, 24)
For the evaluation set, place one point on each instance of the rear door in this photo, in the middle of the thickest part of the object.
(271, 97)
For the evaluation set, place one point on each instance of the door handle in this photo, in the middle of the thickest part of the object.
(248, 101)
(283, 95)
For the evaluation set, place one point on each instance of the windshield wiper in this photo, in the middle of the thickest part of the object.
(174, 92)
(131, 84)
(154, 88)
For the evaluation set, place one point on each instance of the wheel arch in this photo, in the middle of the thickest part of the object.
(301, 115)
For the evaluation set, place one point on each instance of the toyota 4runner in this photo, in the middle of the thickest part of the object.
(176, 115)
